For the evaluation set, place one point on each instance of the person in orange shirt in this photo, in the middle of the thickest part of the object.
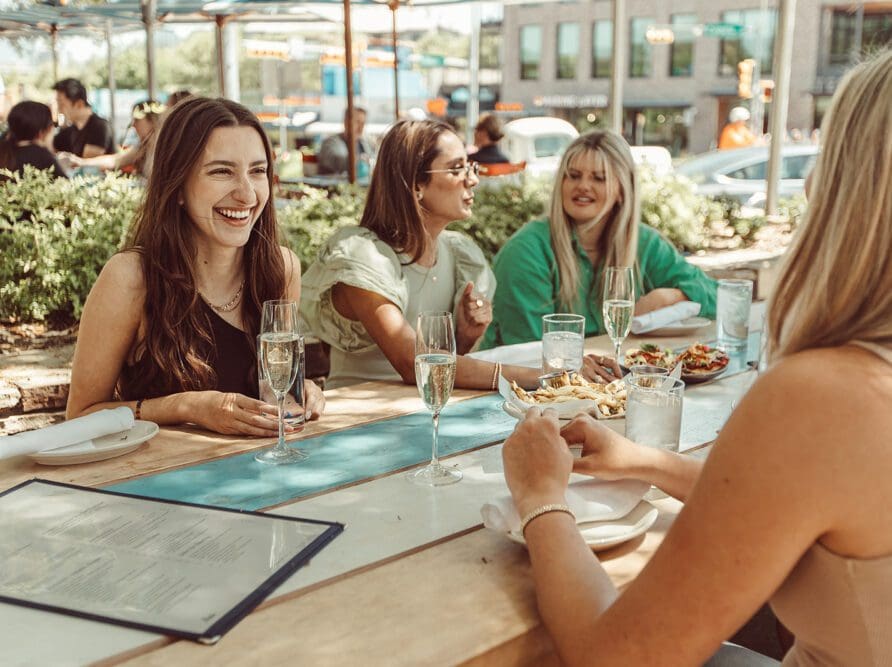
(736, 134)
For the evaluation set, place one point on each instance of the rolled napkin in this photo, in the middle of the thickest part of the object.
(590, 499)
(71, 432)
(657, 319)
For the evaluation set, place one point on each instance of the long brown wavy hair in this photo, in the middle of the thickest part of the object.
(392, 210)
(178, 334)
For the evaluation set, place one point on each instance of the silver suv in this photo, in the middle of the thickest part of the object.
(740, 173)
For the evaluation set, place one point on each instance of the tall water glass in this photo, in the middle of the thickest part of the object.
(563, 341)
(732, 318)
(281, 358)
(435, 376)
(618, 305)
(653, 414)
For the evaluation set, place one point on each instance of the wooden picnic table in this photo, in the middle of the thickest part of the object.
(413, 579)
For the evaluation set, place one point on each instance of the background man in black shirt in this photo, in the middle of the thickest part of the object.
(87, 134)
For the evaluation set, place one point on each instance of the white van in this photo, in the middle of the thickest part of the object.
(539, 141)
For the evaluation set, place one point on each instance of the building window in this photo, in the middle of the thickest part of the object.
(640, 52)
(602, 49)
(681, 61)
(530, 51)
(756, 42)
(567, 50)
(876, 32)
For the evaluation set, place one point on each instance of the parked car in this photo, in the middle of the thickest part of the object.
(741, 173)
(539, 141)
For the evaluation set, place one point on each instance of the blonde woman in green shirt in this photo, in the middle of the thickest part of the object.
(555, 265)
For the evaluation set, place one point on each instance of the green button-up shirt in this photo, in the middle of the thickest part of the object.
(528, 283)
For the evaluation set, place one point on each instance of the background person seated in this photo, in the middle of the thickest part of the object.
(28, 139)
(146, 118)
(333, 154)
(487, 134)
(86, 135)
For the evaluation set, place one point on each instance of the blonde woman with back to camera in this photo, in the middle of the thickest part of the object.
(792, 503)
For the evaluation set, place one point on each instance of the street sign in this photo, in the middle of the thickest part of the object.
(722, 30)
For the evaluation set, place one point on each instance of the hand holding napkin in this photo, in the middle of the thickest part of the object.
(71, 432)
(663, 317)
(590, 499)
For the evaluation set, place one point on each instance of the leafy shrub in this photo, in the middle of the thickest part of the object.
(501, 211)
(670, 205)
(55, 236)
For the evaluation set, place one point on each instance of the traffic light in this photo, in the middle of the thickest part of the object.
(745, 78)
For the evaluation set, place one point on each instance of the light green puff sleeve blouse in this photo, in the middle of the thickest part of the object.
(356, 256)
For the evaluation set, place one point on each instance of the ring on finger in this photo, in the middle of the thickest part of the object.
(479, 303)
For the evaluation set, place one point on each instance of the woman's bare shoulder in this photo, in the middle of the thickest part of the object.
(125, 270)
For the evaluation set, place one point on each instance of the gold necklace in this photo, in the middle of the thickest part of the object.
(227, 307)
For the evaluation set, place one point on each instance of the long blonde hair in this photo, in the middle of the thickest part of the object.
(836, 284)
(618, 245)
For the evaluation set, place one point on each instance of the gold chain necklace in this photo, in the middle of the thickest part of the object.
(225, 308)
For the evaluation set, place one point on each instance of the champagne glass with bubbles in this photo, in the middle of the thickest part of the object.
(281, 358)
(435, 376)
(618, 305)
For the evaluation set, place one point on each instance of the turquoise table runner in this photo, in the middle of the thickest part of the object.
(336, 459)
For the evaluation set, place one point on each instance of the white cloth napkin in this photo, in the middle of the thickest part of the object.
(663, 317)
(590, 499)
(72, 432)
(519, 354)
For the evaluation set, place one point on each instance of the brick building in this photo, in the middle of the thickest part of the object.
(557, 61)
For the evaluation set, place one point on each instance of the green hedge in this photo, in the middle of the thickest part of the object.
(55, 235)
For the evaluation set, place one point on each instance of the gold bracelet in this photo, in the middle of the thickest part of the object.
(544, 509)
(496, 371)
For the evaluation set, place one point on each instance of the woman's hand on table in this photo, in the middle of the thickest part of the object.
(658, 298)
(473, 315)
(605, 452)
(600, 368)
(232, 414)
(315, 400)
(537, 461)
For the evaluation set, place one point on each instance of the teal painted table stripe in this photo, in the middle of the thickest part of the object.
(336, 459)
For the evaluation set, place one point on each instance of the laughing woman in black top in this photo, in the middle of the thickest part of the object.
(169, 328)
(30, 132)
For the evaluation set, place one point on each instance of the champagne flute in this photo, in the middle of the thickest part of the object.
(281, 358)
(618, 305)
(435, 375)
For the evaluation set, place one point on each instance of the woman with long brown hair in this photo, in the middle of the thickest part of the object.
(793, 502)
(170, 325)
(370, 282)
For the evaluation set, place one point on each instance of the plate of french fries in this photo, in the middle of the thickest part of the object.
(569, 395)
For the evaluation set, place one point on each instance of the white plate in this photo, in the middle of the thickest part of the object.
(99, 449)
(682, 328)
(600, 535)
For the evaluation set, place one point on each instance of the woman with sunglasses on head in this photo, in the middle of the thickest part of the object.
(593, 222)
(792, 503)
(146, 119)
(363, 294)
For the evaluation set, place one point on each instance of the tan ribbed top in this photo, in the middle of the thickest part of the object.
(839, 608)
